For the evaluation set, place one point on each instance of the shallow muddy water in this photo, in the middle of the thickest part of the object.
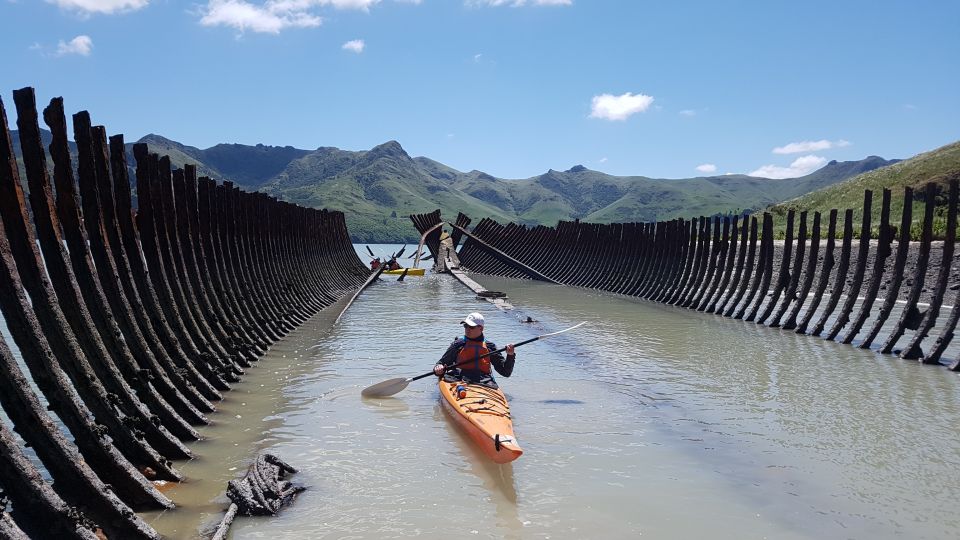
(650, 420)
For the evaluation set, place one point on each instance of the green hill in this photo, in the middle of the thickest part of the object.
(938, 166)
(378, 188)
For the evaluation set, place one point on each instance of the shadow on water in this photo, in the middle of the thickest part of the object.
(497, 480)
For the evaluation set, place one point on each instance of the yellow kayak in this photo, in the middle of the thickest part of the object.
(410, 271)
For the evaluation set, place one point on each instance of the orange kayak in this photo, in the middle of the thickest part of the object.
(485, 416)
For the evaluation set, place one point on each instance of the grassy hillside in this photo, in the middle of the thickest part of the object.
(938, 166)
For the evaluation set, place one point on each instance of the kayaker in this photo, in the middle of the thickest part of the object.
(471, 346)
(374, 264)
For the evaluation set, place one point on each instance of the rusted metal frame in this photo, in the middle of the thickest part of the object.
(67, 337)
(947, 332)
(700, 265)
(200, 357)
(222, 240)
(252, 284)
(512, 245)
(664, 249)
(853, 291)
(571, 259)
(766, 263)
(752, 273)
(89, 307)
(825, 269)
(238, 342)
(423, 222)
(114, 319)
(8, 529)
(880, 257)
(609, 242)
(587, 240)
(520, 245)
(645, 260)
(733, 254)
(307, 250)
(125, 303)
(302, 249)
(497, 255)
(330, 241)
(494, 265)
(538, 245)
(209, 241)
(251, 278)
(548, 258)
(912, 350)
(78, 290)
(353, 272)
(281, 295)
(715, 272)
(283, 252)
(36, 325)
(160, 337)
(561, 250)
(744, 271)
(707, 262)
(709, 266)
(621, 258)
(280, 287)
(694, 242)
(600, 270)
(783, 274)
(801, 298)
(75, 483)
(495, 239)
(841, 275)
(652, 258)
(39, 510)
(462, 221)
(630, 258)
(790, 294)
(660, 261)
(161, 192)
(172, 346)
(208, 329)
(911, 317)
(684, 229)
(279, 290)
(501, 241)
(476, 259)
(703, 241)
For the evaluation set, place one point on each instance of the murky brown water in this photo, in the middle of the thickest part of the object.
(651, 420)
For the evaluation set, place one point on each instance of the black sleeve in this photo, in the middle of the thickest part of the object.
(503, 366)
(449, 358)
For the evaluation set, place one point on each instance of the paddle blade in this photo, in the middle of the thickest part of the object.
(385, 388)
(370, 251)
(404, 274)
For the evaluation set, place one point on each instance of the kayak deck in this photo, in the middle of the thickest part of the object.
(484, 415)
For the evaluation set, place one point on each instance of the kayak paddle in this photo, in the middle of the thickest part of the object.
(393, 386)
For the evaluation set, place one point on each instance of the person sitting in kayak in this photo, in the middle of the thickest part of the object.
(393, 265)
(374, 264)
(470, 347)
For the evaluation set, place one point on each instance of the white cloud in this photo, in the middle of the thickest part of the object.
(800, 167)
(100, 6)
(81, 45)
(707, 168)
(621, 107)
(354, 45)
(688, 112)
(810, 146)
(518, 3)
(477, 57)
(602, 160)
(272, 16)
(910, 107)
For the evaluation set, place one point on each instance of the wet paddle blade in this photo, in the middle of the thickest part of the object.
(404, 274)
(370, 251)
(385, 388)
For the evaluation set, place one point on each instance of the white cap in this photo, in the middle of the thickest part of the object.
(473, 319)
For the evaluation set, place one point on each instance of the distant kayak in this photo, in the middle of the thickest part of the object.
(484, 414)
(410, 271)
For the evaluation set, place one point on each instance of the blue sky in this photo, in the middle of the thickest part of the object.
(510, 87)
